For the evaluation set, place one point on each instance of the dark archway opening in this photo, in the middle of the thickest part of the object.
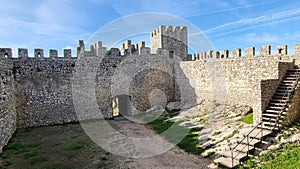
(121, 105)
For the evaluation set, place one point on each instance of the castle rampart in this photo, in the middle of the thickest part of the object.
(265, 51)
(251, 77)
(39, 90)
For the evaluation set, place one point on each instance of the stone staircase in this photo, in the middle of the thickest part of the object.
(272, 119)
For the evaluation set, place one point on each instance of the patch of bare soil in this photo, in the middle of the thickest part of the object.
(174, 158)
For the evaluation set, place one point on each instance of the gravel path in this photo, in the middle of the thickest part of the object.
(174, 158)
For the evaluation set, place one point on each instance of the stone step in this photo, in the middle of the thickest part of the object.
(277, 104)
(244, 148)
(287, 81)
(252, 141)
(260, 133)
(284, 88)
(281, 94)
(276, 112)
(280, 97)
(284, 83)
(268, 119)
(271, 124)
(294, 70)
(268, 127)
(227, 162)
(283, 91)
(276, 108)
(293, 78)
(292, 75)
(276, 100)
(273, 116)
(236, 155)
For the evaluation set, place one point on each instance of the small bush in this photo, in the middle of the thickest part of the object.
(108, 52)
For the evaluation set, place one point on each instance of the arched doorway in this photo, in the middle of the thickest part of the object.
(121, 105)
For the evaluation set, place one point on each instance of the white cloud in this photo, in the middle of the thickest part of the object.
(179, 8)
(254, 22)
(56, 16)
(260, 38)
(46, 24)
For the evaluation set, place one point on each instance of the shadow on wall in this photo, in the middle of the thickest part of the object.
(148, 81)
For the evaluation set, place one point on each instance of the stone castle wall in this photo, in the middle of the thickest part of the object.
(7, 102)
(55, 90)
(249, 80)
(41, 90)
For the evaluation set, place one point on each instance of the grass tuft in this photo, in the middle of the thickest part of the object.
(189, 143)
(56, 166)
(37, 160)
(30, 155)
(288, 157)
(247, 119)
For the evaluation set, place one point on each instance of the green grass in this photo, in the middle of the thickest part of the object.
(30, 155)
(37, 160)
(287, 157)
(56, 166)
(228, 137)
(65, 143)
(189, 143)
(202, 121)
(209, 154)
(18, 148)
(77, 145)
(247, 119)
(6, 163)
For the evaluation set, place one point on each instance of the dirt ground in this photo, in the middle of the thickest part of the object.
(67, 146)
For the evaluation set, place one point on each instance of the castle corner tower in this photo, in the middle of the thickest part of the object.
(172, 39)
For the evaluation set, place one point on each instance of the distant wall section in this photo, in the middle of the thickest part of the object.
(249, 80)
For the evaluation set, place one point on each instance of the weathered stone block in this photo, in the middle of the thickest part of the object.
(236, 52)
(265, 50)
(224, 54)
(38, 53)
(281, 50)
(250, 52)
(5, 53)
(53, 53)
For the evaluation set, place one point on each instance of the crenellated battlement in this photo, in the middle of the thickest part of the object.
(264, 51)
(171, 31)
(127, 48)
(37, 53)
(96, 49)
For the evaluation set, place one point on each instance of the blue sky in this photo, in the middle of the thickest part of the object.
(229, 24)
